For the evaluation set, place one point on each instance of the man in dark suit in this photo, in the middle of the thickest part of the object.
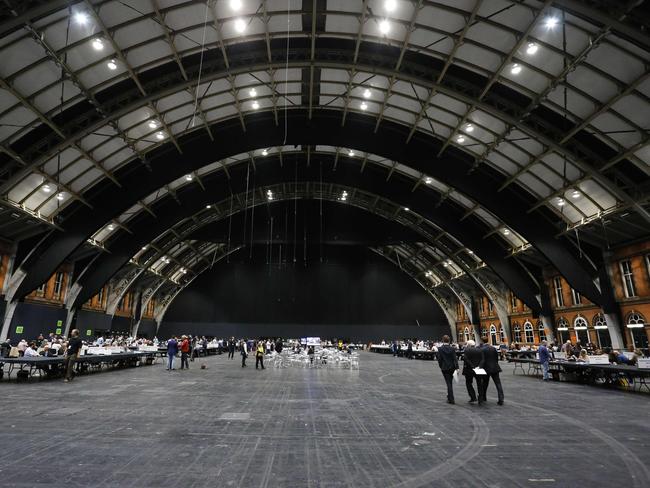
(448, 363)
(472, 357)
(490, 364)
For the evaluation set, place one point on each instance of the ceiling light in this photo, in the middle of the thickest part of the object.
(363, 106)
(160, 136)
(390, 5)
(351, 153)
(460, 139)
(575, 194)
(470, 252)
(144, 248)
(253, 92)
(153, 124)
(384, 27)
(561, 202)
(235, 4)
(515, 69)
(551, 22)
(506, 232)
(428, 273)
(208, 206)
(256, 105)
(532, 48)
(188, 177)
(80, 18)
(406, 209)
(367, 93)
(46, 188)
(428, 180)
(445, 264)
(265, 152)
(98, 44)
(469, 128)
(111, 227)
(240, 25)
(112, 64)
(59, 196)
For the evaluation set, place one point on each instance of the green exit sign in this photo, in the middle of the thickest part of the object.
(59, 323)
(58, 331)
(89, 332)
(19, 329)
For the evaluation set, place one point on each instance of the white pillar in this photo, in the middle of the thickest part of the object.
(614, 329)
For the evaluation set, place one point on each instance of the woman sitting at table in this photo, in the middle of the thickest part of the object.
(583, 357)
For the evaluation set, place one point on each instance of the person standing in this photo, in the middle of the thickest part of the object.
(544, 358)
(185, 352)
(71, 354)
(448, 362)
(409, 350)
(278, 346)
(490, 363)
(243, 352)
(172, 350)
(231, 348)
(472, 357)
(259, 355)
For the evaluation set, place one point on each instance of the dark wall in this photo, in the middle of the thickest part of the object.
(94, 321)
(147, 328)
(121, 324)
(35, 319)
(352, 294)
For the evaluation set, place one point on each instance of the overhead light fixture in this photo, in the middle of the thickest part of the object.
(46, 188)
(111, 227)
(384, 27)
(144, 248)
(98, 44)
(265, 152)
(240, 25)
(363, 106)
(445, 264)
(112, 65)
(406, 209)
(81, 18)
(506, 232)
(256, 105)
(561, 202)
(460, 139)
(351, 153)
(188, 177)
(470, 251)
(160, 136)
(208, 206)
(551, 22)
(428, 180)
(269, 195)
(515, 69)
(153, 124)
(235, 4)
(532, 48)
(59, 196)
(390, 5)
(253, 92)
(469, 128)
(575, 194)
(367, 93)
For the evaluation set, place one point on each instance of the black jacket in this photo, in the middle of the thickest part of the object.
(490, 361)
(472, 357)
(447, 358)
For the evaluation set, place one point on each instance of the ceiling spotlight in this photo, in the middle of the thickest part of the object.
(428, 273)
(406, 209)
(112, 64)
(575, 194)
(515, 69)
(160, 136)
(363, 106)
(240, 25)
(460, 139)
(532, 48)
(144, 248)
(470, 252)
(367, 93)
(269, 195)
(469, 128)
(59, 196)
(235, 4)
(81, 18)
(98, 44)
(384, 27)
(445, 264)
(253, 92)
(46, 188)
(265, 152)
(256, 105)
(188, 177)
(390, 5)
(351, 153)
(428, 180)
(561, 202)
(208, 206)
(551, 22)
(506, 232)
(111, 227)
(153, 124)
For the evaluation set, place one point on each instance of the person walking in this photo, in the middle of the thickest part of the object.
(71, 354)
(490, 364)
(172, 350)
(409, 350)
(472, 357)
(259, 355)
(185, 352)
(544, 358)
(231, 348)
(243, 352)
(448, 362)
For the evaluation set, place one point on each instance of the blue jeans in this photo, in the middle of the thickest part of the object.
(545, 375)
(170, 360)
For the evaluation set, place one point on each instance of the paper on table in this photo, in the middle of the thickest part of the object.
(480, 371)
(456, 376)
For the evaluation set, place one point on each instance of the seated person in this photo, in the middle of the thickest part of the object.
(30, 351)
(583, 357)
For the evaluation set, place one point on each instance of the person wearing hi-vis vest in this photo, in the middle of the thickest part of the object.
(259, 355)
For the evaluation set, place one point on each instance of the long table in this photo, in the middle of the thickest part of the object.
(417, 353)
(54, 365)
(608, 374)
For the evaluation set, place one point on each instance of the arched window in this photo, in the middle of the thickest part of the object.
(503, 333)
(602, 335)
(466, 334)
(563, 329)
(517, 332)
(484, 333)
(580, 326)
(493, 334)
(636, 324)
(542, 332)
(528, 331)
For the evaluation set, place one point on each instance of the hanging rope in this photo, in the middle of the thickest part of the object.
(320, 202)
(250, 255)
(198, 81)
(286, 75)
(295, 210)
(229, 227)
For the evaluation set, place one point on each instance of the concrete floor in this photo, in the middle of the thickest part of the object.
(385, 425)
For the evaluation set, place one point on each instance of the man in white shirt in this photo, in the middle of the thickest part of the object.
(30, 351)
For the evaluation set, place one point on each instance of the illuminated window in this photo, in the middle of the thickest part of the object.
(557, 285)
(628, 278)
(528, 331)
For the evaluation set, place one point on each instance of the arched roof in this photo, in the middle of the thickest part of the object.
(545, 103)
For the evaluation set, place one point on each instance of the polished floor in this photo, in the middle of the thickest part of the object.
(386, 425)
